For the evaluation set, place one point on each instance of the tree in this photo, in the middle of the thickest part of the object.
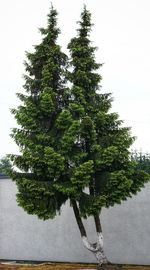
(40, 161)
(5, 165)
(142, 161)
(100, 154)
(71, 147)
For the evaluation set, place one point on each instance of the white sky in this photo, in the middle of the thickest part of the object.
(122, 34)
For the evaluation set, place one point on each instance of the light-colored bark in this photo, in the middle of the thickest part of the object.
(100, 240)
(96, 248)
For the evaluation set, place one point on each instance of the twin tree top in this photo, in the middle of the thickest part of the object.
(72, 147)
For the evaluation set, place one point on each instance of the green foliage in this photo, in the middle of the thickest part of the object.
(5, 165)
(142, 161)
(113, 176)
(71, 146)
(39, 198)
(39, 136)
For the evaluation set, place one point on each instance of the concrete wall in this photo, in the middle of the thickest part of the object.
(126, 231)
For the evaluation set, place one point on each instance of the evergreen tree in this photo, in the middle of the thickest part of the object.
(5, 166)
(104, 173)
(142, 160)
(40, 162)
(71, 146)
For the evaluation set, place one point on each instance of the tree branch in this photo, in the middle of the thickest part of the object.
(96, 217)
(97, 224)
(78, 218)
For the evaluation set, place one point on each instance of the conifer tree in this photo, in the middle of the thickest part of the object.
(142, 160)
(5, 165)
(72, 147)
(45, 97)
(100, 156)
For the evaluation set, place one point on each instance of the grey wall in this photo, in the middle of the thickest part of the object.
(126, 231)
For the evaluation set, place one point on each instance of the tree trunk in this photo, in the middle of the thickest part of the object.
(95, 248)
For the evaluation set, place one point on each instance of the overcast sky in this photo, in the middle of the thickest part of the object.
(121, 32)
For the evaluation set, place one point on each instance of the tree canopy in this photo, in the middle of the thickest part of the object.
(5, 166)
(69, 141)
(142, 160)
(71, 145)
(40, 162)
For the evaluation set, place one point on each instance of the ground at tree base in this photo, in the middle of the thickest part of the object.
(68, 266)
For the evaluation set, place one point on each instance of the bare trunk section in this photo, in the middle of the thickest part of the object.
(78, 218)
(100, 241)
(96, 248)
